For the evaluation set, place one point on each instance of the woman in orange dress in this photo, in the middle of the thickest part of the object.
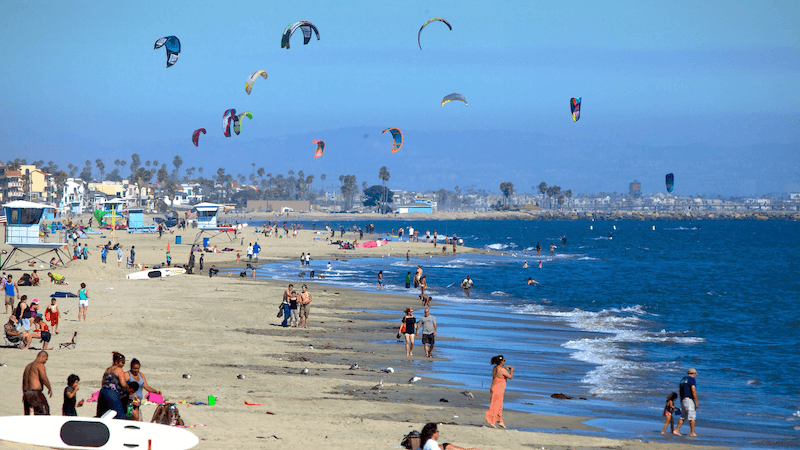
(499, 376)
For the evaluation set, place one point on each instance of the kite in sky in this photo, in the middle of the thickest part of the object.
(575, 107)
(227, 117)
(247, 113)
(173, 46)
(670, 182)
(196, 135)
(426, 24)
(454, 96)
(320, 148)
(248, 85)
(305, 26)
(397, 135)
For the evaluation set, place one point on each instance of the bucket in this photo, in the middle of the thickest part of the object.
(212, 400)
(205, 242)
(177, 240)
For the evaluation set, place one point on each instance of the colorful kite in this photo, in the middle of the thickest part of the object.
(248, 85)
(196, 135)
(227, 117)
(397, 135)
(454, 96)
(320, 148)
(575, 107)
(426, 24)
(670, 182)
(173, 46)
(305, 26)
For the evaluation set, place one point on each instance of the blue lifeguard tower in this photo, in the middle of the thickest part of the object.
(136, 222)
(207, 222)
(23, 221)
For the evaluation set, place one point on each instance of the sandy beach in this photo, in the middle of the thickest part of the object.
(216, 329)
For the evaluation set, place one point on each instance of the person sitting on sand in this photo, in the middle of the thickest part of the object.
(429, 437)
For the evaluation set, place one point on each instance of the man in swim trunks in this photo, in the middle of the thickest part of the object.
(33, 378)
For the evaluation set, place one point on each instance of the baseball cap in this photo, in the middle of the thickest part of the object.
(692, 370)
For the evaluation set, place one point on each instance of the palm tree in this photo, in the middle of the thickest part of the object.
(177, 161)
(269, 175)
(322, 180)
(542, 189)
(568, 193)
(507, 188)
(101, 168)
(383, 175)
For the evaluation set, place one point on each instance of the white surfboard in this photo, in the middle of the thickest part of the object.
(91, 433)
(156, 273)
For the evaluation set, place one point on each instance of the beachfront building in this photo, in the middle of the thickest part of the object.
(187, 194)
(10, 184)
(73, 197)
(419, 205)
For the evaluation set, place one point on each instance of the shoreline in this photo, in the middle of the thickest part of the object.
(215, 329)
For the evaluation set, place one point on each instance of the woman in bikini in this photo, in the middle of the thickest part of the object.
(499, 376)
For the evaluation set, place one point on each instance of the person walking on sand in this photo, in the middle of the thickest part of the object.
(11, 291)
(83, 301)
(669, 410)
(689, 402)
(428, 325)
(305, 306)
(34, 379)
(499, 376)
(408, 328)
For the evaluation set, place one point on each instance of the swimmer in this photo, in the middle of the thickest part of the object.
(532, 281)
(525, 266)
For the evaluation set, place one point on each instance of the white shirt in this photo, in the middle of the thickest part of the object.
(431, 445)
(249, 249)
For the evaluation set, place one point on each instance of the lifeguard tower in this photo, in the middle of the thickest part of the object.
(136, 222)
(207, 223)
(23, 221)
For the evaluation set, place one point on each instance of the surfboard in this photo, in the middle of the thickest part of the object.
(156, 273)
(91, 433)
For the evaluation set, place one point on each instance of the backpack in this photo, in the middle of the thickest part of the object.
(167, 414)
(412, 440)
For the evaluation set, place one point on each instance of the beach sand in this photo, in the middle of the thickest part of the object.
(215, 329)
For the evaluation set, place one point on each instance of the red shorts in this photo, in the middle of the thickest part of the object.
(53, 319)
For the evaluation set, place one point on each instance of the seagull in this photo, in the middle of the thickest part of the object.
(187, 376)
(388, 370)
(304, 371)
(378, 386)
(414, 379)
(311, 346)
(353, 366)
(240, 376)
(468, 394)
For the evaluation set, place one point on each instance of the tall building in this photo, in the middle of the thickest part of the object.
(635, 189)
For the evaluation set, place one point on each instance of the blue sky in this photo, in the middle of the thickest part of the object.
(691, 82)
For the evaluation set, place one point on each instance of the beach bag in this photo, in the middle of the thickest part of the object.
(280, 311)
(167, 414)
(412, 440)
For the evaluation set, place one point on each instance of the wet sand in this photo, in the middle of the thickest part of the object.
(218, 328)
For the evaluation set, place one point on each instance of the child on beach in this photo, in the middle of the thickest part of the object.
(132, 410)
(70, 395)
(669, 411)
(51, 314)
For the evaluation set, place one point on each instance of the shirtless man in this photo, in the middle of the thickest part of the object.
(33, 378)
(417, 276)
(305, 306)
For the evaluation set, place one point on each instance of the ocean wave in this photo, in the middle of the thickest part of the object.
(499, 246)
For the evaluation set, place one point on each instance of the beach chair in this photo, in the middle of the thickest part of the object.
(70, 344)
(12, 342)
(128, 263)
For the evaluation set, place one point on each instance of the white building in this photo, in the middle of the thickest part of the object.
(73, 197)
(187, 194)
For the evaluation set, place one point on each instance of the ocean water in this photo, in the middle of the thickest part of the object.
(615, 320)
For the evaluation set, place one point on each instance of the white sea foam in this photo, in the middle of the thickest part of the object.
(499, 246)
